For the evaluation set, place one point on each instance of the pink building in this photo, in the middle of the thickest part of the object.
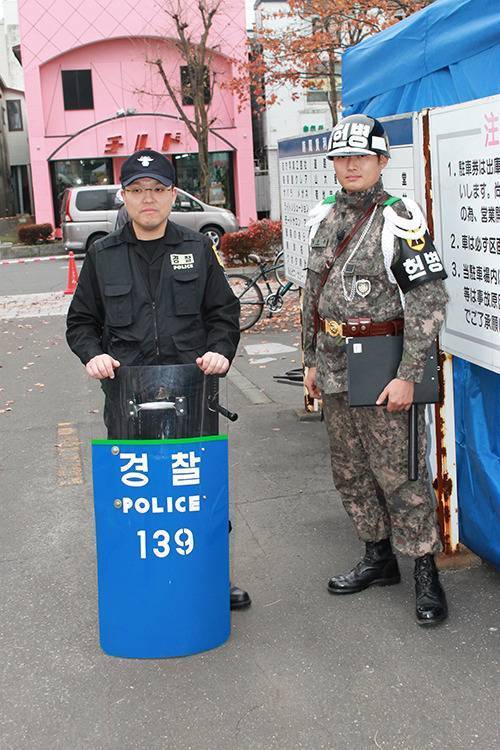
(93, 99)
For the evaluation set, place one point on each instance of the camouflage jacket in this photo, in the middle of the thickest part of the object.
(424, 306)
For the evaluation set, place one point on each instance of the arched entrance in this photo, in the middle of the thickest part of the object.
(93, 155)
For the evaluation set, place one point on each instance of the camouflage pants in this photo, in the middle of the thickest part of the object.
(369, 454)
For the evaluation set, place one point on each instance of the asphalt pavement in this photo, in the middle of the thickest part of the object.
(302, 669)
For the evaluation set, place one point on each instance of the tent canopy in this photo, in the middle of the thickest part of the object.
(446, 53)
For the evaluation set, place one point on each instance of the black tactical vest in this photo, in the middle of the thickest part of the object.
(142, 330)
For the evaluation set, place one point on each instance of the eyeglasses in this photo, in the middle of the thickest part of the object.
(156, 192)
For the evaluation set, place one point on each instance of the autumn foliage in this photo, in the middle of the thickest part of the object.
(303, 47)
(262, 237)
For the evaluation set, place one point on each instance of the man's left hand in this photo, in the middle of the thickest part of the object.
(399, 395)
(213, 364)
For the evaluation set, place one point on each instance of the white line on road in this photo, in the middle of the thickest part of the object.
(37, 259)
(268, 348)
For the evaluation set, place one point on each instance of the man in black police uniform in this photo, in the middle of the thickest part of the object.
(153, 292)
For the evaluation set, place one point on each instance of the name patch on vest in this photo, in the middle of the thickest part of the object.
(180, 262)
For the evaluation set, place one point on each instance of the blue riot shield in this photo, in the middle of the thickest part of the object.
(161, 512)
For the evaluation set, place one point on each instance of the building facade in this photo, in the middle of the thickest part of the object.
(16, 182)
(93, 98)
(296, 110)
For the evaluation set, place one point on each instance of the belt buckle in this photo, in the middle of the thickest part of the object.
(333, 328)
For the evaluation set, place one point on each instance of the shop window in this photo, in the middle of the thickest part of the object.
(77, 89)
(221, 177)
(316, 95)
(68, 173)
(187, 96)
(14, 114)
(20, 182)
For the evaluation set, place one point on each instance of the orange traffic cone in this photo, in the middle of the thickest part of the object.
(72, 274)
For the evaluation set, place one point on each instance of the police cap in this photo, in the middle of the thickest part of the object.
(147, 163)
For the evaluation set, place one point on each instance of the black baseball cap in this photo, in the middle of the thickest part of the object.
(147, 163)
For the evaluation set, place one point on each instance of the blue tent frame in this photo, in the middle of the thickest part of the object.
(445, 54)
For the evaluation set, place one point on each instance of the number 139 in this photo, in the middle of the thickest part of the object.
(183, 539)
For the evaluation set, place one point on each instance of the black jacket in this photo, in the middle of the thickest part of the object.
(193, 310)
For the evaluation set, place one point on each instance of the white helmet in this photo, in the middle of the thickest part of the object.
(358, 135)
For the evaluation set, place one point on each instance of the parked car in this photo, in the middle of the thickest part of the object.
(89, 213)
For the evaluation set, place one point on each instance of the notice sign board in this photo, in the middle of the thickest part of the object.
(465, 158)
(403, 174)
(161, 511)
(306, 177)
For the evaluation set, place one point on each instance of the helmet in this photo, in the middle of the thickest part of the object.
(358, 135)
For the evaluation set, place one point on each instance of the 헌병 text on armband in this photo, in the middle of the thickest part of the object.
(418, 263)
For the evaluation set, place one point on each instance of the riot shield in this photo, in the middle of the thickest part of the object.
(161, 402)
(161, 511)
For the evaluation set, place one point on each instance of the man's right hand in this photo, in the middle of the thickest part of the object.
(102, 366)
(310, 383)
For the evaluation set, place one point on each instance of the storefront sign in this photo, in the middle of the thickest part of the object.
(465, 156)
(113, 144)
(116, 143)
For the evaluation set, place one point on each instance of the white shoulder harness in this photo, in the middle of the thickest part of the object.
(397, 226)
(394, 226)
(316, 215)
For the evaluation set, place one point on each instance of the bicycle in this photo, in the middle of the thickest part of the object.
(279, 272)
(249, 293)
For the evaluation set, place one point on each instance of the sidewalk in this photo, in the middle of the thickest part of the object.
(302, 669)
(358, 671)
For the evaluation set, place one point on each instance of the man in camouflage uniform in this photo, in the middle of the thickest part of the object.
(369, 444)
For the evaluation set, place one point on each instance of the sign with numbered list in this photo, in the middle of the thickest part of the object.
(307, 177)
(161, 513)
(465, 158)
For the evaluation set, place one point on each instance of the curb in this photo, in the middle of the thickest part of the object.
(19, 252)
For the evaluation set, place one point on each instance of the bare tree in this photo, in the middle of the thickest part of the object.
(193, 26)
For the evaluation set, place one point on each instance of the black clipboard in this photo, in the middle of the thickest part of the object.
(373, 361)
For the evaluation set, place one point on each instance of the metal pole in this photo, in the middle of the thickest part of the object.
(445, 483)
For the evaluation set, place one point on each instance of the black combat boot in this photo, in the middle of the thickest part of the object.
(238, 598)
(431, 600)
(378, 567)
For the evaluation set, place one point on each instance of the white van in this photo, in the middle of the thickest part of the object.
(89, 213)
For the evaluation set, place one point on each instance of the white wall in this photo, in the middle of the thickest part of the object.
(287, 117)
(11, 73)
(10, 68)
(17, 140)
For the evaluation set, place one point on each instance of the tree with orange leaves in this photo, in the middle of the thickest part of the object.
(303, 47)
